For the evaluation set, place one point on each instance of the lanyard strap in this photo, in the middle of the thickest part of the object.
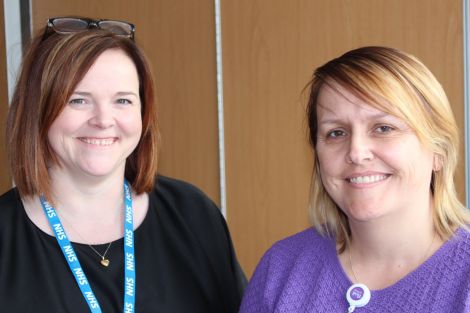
(75, 267)
(129, 259)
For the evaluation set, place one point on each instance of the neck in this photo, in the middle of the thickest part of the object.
(91, 210)
(390, 244)
(89, 196)
(385, 250)
(391, 239)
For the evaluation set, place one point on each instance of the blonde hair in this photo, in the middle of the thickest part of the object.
(412, 93)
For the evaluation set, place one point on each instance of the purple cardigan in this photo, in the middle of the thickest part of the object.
(302, 273)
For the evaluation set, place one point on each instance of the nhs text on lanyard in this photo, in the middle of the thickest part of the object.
(76, 268)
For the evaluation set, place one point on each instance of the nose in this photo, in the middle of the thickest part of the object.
(102, 116)
(360, 149)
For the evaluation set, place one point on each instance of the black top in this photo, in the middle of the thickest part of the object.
(184, 260)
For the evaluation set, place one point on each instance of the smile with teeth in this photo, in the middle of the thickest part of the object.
(98, 141)
(367, 179)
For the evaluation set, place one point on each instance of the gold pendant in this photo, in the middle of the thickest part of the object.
(104, 262)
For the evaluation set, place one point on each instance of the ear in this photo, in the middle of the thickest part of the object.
(437, 163)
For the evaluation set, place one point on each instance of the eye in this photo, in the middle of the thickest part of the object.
(335, 134)
(123, 101)
(77, 101)
(383, 129)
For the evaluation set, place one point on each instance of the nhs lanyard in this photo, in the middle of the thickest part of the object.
(76, 268)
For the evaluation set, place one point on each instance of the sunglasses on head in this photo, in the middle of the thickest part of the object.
(69, 25)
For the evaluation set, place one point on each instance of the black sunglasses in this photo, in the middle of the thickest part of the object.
(69, 25)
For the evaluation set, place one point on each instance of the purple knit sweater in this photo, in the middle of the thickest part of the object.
(302, 273)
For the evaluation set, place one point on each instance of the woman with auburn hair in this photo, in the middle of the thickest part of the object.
(89, 226)
(389, 234)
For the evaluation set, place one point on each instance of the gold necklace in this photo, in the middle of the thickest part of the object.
(420, 262)
(104, 261)
(351, 265)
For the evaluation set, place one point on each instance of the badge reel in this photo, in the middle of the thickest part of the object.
(358, 295)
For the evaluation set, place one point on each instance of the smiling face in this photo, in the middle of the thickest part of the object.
(101, 124)
(372, 164)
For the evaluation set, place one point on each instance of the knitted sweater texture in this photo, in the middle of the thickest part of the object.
(302, 273)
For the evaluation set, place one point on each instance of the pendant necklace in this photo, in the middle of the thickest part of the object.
(74, 264)
(104, 261)
(358, 295)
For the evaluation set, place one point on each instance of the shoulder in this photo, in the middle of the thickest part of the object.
(459, 245)
(176, 190)
(196, 223)
(460, 241)
(453, 259)
(462, 235)
(444, 276)
(11, 214)
(9, 197)
(182, 206)
(184, 199)
(185, 206)
(305, 242)
(291, 264)
(306, 249)
(10, 202)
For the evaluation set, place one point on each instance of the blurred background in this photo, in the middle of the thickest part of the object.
(269, 51)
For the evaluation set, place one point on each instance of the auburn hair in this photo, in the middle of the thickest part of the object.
(52, 67)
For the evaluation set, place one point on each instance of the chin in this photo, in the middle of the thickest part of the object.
(98, 172)
(100, 167)
(364, 218)
(364, 213)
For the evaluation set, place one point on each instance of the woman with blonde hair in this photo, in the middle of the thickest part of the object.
(389, 234)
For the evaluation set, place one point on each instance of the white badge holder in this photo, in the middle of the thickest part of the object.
(358, 295)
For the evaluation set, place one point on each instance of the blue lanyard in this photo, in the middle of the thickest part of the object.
(76, 268)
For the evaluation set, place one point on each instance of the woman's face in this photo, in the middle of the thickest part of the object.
(372, 164)
(101, 124)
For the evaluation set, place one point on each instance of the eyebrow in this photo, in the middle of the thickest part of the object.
(127, 93)
(81, 93)
(120, 93)
(335, 120)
